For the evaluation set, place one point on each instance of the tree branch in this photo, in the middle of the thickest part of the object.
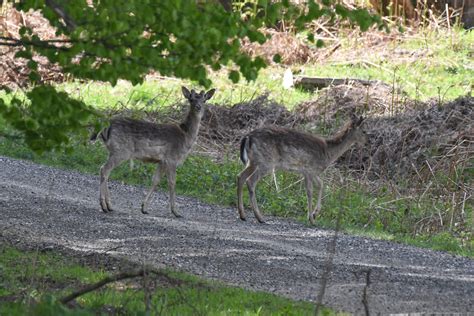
(114, 278)
(70, 24)
(95, 286)
(331, 247)
(13, 42)
(227, 4)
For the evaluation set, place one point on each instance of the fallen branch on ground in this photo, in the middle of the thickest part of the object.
(114, 278)
(312, 83)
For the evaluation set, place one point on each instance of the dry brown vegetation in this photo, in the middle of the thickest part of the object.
(295, 50)
(420, 150)
(14, 71)
(407, 137)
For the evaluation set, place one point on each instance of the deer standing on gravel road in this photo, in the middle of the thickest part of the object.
(167, 145)
(271, 148)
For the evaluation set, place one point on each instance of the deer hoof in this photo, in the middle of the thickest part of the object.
(109, 208)
(143, 210)
(105, 208)
(243, 218)
(177, 215)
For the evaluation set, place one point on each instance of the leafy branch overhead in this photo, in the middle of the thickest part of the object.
(112, 40)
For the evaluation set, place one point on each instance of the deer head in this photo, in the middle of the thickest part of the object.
(359, 136)
(197, 100)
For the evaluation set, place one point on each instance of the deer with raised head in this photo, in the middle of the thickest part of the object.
(267, 149)
(167, 145)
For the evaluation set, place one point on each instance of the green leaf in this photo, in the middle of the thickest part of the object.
(34, 76)
(234, 76)
(24, 54)
(33, 65)
(277, 58)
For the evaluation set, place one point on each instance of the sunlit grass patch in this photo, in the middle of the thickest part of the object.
(33, 282)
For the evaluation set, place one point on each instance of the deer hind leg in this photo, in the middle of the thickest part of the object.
(252, 184)
(241, 179)
(155, 182)
(105, 171)
(320, 194)
(171, 175)
(308, 180)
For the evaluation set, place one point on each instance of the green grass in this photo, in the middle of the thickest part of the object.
(32, 282)
(441, 68)
(156, 94)
(444, 70)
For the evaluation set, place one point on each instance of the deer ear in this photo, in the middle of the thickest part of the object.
(209, 94)
(186, 92)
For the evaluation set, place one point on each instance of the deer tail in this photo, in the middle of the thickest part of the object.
(244, 149)
(103, 134)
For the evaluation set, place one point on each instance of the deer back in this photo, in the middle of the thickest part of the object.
(145, 140)
(281, 148)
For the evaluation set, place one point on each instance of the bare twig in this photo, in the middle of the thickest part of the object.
(146, 271)
(365, 299)
(95, 286)
(59, 10)
(146, 290)
(329, 266)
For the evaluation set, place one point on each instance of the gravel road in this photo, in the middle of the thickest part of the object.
(43, 205)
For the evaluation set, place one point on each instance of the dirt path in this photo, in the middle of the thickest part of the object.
(52, 207)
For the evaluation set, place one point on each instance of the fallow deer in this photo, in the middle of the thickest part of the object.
(167, 145)
(272, 148)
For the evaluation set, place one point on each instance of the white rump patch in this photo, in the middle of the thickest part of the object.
(245, 156)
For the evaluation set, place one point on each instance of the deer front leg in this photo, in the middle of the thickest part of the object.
(103, 189)
(241, 179)
(320, 195)
(308, 180)
(155, 182)
(105, 171)
(171, 174)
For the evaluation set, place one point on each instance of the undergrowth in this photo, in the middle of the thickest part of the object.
(33, 282)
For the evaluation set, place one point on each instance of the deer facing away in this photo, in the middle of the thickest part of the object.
(272, 148)
(167, 145)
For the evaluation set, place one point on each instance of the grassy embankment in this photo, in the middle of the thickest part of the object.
(32, 283)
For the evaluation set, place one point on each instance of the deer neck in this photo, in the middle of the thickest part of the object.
(337, 147)
(190, 126)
